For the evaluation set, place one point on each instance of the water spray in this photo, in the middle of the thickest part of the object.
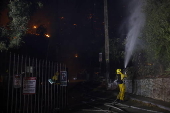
(125, 71)
(134, 25)
(125, 66)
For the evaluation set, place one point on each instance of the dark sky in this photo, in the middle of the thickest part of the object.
(81, 30)
(79, 20)
(77, 27)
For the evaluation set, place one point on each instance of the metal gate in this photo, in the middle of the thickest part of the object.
(25, 88)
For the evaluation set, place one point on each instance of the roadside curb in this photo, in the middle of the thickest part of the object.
(158, 105)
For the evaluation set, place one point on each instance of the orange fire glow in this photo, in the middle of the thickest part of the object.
(34, 27)
(76, 55)
(47, 35)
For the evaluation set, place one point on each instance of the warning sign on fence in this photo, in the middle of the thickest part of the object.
(17, 80)
(29, 85)
(63, 78)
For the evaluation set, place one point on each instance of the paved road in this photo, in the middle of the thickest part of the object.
(90, 98)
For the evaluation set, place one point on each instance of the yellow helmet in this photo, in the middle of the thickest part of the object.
(118, 71)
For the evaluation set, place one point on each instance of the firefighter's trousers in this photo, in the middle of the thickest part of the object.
(121, 92)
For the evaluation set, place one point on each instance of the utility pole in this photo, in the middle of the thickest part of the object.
(106, 40)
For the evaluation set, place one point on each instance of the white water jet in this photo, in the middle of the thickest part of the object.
(134, 25)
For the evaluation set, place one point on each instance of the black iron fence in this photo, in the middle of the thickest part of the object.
(25, 88)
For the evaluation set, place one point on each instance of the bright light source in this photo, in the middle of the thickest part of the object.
(47, 35)
(34, 27)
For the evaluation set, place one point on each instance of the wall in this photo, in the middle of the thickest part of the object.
(158, 88)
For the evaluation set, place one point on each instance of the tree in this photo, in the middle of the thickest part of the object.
(41, 30)
(19, 14)
(157, 34)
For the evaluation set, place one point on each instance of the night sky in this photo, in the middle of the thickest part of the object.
(76, 27)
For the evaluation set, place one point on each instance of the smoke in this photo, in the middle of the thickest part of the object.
(134, 25)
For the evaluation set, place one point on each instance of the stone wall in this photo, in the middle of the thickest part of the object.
(158, 88)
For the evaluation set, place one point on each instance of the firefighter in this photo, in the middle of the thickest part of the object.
(121, 83)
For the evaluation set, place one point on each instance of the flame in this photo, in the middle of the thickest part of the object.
(34, 27)
(47, 35)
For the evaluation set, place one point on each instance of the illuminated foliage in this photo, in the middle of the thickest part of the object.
(156, 34)
(19, 15)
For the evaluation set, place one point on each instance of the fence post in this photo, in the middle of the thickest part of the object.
(42, 99)
(12, 85)
(54, 86)
(35, 106)
(9, 83)
(46, 85)
(58, 106)
(39, 85)
(52, 73)
(21, 84)
(55, 95)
